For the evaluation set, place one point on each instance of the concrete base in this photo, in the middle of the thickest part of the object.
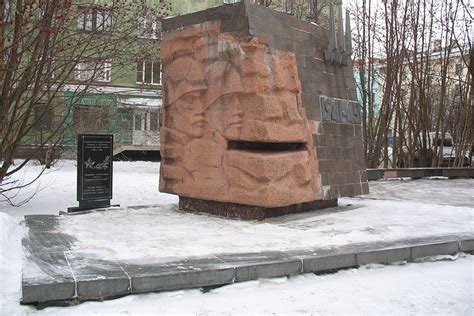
(416, 173)
(63, 276)
(55, 270)
(247, 211)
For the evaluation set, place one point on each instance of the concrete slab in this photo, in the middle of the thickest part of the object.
(47, 241)
(252, 266)
(55, 269)
(434, 249)
(41, 223)
(47, 277)
(163, 276)
(97, 278)
(328, 262)
(466, 245)
(383, 256)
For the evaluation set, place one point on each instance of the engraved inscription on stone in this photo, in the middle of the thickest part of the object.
(95, 167)
(340, 111)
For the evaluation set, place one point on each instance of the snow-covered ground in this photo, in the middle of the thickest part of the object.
(394, 210)
(135, 183)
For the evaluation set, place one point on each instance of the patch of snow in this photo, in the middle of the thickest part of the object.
(146, 102)
(11, 260)
(164, 232)
(437, 178)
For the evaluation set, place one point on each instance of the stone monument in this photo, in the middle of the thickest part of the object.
(257, 121)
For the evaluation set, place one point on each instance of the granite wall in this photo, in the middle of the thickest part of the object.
(327, 90)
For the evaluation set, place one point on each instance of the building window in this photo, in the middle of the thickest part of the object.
(94, 20)
(148, 72)
(91, 119)
(101, 72)
(138, 122)
(149, 27)
(154, 121)
(43, 116)
(146, 121)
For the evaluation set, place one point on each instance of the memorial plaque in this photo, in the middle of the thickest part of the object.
(340, 111)
(94, 171)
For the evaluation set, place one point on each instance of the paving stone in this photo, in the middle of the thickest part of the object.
(46, 241)
(252, 266)
(329, 262)
(46, 277)
(40, 223)
(97, 278)
(374, 174)
(49, 276)
(267, 270)
(178, 275)
(466, 245)
(446, 248)
(383, 256)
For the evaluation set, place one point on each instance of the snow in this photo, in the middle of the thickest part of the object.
(393, 210)
(11, 257)
(163, 232)
(145, 102)
(134, 183)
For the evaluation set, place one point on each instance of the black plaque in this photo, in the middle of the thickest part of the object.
(94, 171)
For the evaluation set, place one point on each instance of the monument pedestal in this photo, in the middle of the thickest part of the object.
(90, 205)
(259, 213)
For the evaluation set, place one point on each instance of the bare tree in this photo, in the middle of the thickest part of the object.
(52, 46)
(411, 57)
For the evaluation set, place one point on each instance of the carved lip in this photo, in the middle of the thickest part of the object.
(271, 147)
(200, 122)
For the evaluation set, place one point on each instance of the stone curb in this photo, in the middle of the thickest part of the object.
(117, 278)
(417, 173)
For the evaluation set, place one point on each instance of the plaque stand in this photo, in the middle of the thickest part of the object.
(94, 172)
(90, 205)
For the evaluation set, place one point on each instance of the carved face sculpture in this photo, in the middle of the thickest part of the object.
(233, 128)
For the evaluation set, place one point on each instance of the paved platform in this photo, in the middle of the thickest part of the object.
(106, 254)
(417, 173)
(54, 271)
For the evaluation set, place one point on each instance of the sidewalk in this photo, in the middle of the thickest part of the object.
(112, 253)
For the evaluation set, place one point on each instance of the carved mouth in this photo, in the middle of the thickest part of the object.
(265, 147)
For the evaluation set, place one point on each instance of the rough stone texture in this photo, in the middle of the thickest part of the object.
(447, 248)
(233, 129)
(338, 145)
(248, 211)
(383, 256)
(242, 113)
